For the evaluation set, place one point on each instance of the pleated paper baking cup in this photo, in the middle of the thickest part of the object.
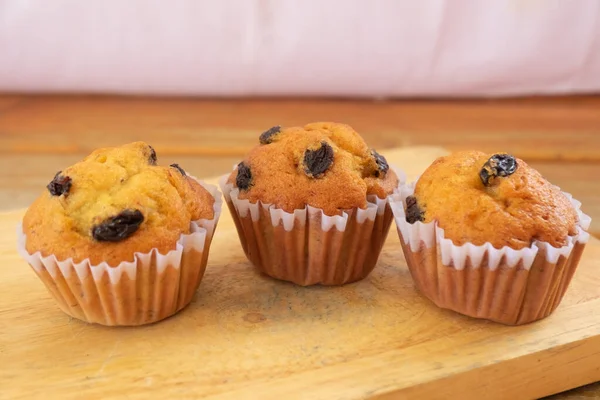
(152, 287)
(307, 247)
(509, 286)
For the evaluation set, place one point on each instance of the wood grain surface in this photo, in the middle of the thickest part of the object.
(249, 336)
(40, 135)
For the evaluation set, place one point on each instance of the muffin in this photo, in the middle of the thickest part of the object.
(309, 204)
(119, 240)
(487, 236)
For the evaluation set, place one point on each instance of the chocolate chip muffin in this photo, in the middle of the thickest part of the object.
(486, 235)
(320, 172)
(110, 210)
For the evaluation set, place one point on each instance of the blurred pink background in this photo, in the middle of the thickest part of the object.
(377, 48)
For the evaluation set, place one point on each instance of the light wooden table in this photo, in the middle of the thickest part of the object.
(41, 135)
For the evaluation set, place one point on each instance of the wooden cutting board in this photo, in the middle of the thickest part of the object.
(248, 336)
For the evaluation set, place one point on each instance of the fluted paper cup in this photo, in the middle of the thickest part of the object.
(504, 285)
(152, 287)
(308, 247)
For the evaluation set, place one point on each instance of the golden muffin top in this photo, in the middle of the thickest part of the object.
(115, 202)
(497, 198)
(325, 165)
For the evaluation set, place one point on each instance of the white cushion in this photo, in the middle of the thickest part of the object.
(374, 48)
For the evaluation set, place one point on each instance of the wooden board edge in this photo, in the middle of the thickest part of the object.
(419, 372)
(488, 382)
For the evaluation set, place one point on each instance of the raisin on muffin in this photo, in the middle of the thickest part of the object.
(324, 165)
(497, 198)
(115, 202)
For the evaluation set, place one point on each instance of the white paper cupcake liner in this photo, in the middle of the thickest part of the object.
(504, 285)
(152, 287)
(306, 246)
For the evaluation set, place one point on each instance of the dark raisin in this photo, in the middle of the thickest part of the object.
(178, 168)
(243, 180)
(382, 165)
(60, 185)
(119, 227)
(316, 162)
(499, 165)
(267, 136)
(152, 158)
(413, 211)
